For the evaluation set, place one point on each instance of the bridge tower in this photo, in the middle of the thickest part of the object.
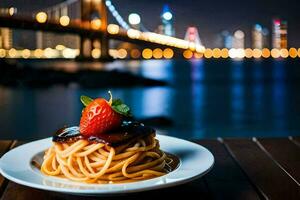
(192, 35)
(167, 22)
(91, 9)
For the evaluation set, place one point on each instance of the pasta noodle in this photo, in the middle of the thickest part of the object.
(89, 162)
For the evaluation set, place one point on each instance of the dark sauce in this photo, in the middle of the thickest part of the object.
(127, 131)
(174, 164)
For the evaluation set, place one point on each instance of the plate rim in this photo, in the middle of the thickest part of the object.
(109, 192)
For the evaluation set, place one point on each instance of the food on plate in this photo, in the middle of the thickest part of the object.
(107, 147)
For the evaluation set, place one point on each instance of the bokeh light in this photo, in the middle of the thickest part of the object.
(198, 55)
(216, 53)
(135, 53)
(96, 53)
(157, 53)
(41, 17)
(96, 24)
(38, 53)
(12, 53)
(134, 34)
(168, 53)
(187, 54)
(293, 52)
(147, 53)
(265, 52)
(275, 53)
(50, 53)
(25, 53)
(69, 53)
(224, 53)
(284, 53)
(64, 20)
(167, 16)
(248, 53)
(232, 53)
(208, 53)
(122, 53)
(60, 47)
(257, 53)
(2, 53)
(134, 18)
(11, 11)
(113, 29)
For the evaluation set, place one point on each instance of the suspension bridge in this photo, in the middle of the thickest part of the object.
(89, 20)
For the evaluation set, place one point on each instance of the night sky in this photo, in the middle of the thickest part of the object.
(210, 17)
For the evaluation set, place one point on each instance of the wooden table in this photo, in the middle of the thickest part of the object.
(255, 168)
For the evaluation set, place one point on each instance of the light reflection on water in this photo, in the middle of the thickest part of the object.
(198, 92)
(279, 95)
(237, 94)
(205, 98)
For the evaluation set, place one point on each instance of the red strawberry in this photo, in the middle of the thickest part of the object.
(100, 116)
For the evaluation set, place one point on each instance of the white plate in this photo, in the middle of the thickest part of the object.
(16, 166)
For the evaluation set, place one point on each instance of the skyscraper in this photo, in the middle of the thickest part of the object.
(257, 37)
(6, 35)
(279, 39)
(226, 39)
(238, 40)
(167, 21)
(265, 34)
(6, 38)
(192, 35)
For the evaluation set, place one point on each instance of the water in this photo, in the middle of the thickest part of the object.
(204, 99)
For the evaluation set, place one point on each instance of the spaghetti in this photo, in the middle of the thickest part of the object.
(85, 161)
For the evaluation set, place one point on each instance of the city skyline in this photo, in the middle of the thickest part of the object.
(210, 21)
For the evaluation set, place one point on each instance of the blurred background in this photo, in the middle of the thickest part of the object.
(192, 69)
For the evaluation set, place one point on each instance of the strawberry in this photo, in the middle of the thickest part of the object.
(100, 116)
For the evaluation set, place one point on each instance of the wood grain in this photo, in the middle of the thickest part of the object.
(226, 180)
(285, 153)
(264, 173)
(5, 145)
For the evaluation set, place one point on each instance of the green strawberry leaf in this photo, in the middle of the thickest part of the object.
(121, 108)
(85, 100)
(116, 102)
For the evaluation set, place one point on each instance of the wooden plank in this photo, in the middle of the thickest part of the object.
(265, 174)
(296, 140)
(15, 191)
(285, 153)
(5, 145)
(226, 180)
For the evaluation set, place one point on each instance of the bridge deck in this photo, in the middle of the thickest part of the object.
(75, 27)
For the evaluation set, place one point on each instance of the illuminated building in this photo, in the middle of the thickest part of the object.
(238, 40)
(257, 37)
(279, 39)
(226, 39)
(5, 38)
(167, 22)
(266, 42)
(6, 34)
(192, 35)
